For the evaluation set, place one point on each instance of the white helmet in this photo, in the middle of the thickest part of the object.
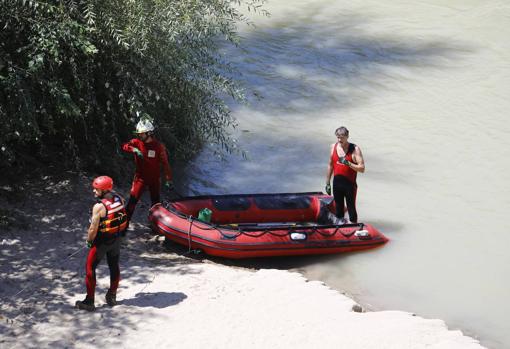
(144, 126)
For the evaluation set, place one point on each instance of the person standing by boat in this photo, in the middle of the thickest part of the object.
(109, 220)
(345, 162)
(150, 154)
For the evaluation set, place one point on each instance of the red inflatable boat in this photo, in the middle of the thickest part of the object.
(260, 225)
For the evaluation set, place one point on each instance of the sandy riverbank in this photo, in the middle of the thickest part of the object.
(168, 299)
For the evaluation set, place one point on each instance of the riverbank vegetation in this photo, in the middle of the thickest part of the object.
(75, 74)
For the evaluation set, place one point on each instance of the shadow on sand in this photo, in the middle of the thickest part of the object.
(154, 299)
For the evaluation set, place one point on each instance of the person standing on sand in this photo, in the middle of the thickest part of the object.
(108, 222)
(149, 156)
(345, 162)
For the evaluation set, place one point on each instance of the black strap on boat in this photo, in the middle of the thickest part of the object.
(275, 231)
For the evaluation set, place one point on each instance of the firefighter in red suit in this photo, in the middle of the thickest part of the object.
(149, 156)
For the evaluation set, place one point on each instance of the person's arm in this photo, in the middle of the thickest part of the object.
(358, 164)
(329, 173)
(133, 147)
(129, 147)
(163, 158)
(98, 211)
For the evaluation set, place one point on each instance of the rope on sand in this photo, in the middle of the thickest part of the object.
(40, 276)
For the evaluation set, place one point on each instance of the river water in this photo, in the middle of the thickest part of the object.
(421, 87)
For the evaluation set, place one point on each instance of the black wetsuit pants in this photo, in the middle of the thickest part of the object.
(112, 251)
(344, 191)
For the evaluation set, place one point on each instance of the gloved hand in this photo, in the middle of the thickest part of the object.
(89, 244)
(169, 185)
(344, 161)
(328, 189)
(138, 153)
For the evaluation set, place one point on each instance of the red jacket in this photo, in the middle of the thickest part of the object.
(154, 155)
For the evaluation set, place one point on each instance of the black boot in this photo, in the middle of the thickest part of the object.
(111, 298)
(86, 304)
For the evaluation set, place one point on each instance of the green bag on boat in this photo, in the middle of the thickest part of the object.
(205, 215)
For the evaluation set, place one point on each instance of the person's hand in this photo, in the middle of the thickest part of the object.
(169, 185)
(344, 161)
(89, 244)
(138, 153)
(328, 189)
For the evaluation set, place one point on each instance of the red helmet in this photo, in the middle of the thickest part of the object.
(103, 183)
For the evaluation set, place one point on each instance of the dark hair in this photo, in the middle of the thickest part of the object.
(342, 131)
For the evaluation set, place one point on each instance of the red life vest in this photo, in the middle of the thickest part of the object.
(115, 220)
(340, 169)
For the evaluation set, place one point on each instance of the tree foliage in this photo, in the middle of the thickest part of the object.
(74, 74)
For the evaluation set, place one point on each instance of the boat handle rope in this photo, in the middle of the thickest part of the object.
(190, 219)
(271, 232)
